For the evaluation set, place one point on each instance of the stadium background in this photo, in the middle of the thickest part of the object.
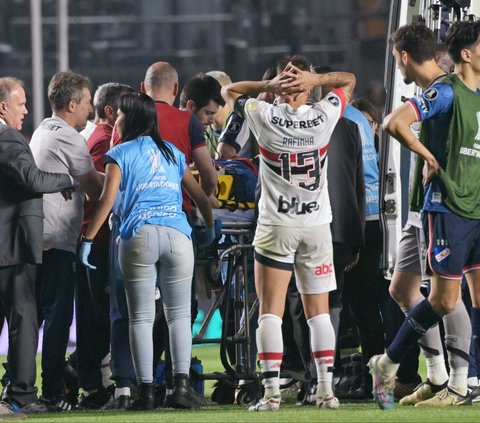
(116, 40)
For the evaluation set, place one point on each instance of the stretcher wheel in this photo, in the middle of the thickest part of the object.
(223, 393)
(247, 394)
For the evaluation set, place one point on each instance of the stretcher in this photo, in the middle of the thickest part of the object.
(231, 258)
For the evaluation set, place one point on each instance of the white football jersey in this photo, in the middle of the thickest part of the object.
(293, 147)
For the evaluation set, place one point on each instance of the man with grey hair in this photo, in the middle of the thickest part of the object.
(21, 213)
(57, 146)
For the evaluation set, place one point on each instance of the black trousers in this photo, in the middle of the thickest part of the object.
(92, 319)
(18, 301)
(55, 290)
(362, 293)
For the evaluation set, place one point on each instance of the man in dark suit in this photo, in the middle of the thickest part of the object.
(21, 233)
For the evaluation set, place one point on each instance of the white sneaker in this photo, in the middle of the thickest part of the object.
(266, 404)
(328, 402)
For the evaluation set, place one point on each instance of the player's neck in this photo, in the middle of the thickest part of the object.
(69, 118)
(105, 122)
(294, 101)
(427, 74)
(162, 95)
(468, 76)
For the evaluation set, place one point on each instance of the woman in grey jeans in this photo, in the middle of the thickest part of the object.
(154, 240)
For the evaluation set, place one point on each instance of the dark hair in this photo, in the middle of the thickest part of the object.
(108, 95)
(365, 105)
(297, 60)
(461, 35)
(141, 120)
(416, 39)
(270, 72)
(65, 87)
(201, 89)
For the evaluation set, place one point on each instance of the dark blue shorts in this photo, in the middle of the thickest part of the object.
(453, 244)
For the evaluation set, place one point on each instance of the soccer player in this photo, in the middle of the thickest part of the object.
(451, 207)
(293, 231)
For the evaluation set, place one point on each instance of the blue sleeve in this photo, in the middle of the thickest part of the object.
(197, 138)
(230, 134)
(240, 105)
(115, 155)
(112, 156)
(182, 163)
(434, 101)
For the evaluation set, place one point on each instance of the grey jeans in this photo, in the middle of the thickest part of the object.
(163, 253)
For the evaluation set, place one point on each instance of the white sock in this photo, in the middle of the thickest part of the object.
(122, 391)
(322, 341)
(436, 370)
(387, 366)
(458, 380)
(473, 381)
(270, 352)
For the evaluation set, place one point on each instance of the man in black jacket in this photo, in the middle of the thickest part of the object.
(21, 233)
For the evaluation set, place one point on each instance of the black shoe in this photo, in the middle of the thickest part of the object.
(70, 378)
(120, 403)
(58, 404)
(145, 398)
(361, 393)
(167, 402)
(183, 395)
(35, 407)
(160, 394)
(95, 400)
(475, 393)
(307, 394)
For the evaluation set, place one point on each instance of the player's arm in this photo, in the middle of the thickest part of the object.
(113, 175)
(206, 169)
(398, 125)
(297, 80)
(92, 184)
(189, 183)
(231, 92)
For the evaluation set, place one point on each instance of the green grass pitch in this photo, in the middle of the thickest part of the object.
(365, 411)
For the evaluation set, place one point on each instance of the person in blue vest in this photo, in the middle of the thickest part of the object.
(155, 241)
